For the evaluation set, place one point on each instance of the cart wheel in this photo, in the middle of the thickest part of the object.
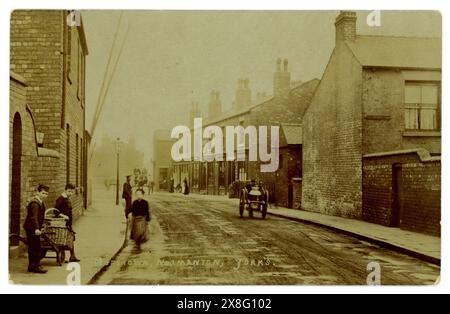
(264, 211)
(241, 208)
(61, 257)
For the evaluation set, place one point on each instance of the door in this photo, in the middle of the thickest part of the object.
(396, 207)
(290, 195)
(16, 175)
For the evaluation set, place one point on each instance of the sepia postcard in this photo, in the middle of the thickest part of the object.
(225, 147)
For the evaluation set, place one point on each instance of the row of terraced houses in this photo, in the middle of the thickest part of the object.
(48, 139)
(363, 142)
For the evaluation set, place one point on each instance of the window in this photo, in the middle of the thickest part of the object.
(69, 51)
(77, 160)
(421, 106)
(83, 80)
(79, 71)
(82, 162)
(67, 154)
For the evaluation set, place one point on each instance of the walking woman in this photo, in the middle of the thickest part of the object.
(186, 187)
(141, 217)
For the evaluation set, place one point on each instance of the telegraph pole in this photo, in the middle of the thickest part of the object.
(117, 177)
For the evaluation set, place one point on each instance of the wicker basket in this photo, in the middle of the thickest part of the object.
(61, 236)
(52, 219)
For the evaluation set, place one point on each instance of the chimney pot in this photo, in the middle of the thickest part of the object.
(345, 26)
(279, 64)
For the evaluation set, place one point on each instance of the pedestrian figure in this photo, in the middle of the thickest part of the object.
(33, 225)
(150, 187)
(171, 185)
(186, 187)
(141, 217)
(64, 205)
(127, 194)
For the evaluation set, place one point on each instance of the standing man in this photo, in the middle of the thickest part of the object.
(33, 224)
(127, 194)
(150, 187)
(64, 205)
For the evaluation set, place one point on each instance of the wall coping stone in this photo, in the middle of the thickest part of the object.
(422, 153)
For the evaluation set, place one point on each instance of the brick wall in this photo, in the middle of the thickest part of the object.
(40, 50)
(44, 170)
(383, 114)
(36, 54)
(422, 197)
(420, 192)
(332, 138)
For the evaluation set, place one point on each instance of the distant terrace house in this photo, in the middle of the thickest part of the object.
(371, 136)
(162, 159)
(48, 140)
(284, 109)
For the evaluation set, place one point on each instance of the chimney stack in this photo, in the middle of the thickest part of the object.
(345, 26)
(194, 113)
(243, 96)
(281, 79)
(215, 105)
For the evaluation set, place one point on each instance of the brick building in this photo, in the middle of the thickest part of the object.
(47, 108)
(378, 102)
(162, 159)
(284, 109)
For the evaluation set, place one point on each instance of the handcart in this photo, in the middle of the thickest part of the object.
(55, 236)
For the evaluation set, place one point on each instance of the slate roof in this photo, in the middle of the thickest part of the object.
(401, 52)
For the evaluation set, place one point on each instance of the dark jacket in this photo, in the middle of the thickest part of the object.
(127, 194)
(64, 205)
(127, 191)
(35, 215)
(141, 208)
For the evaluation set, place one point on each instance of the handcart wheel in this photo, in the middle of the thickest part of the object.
(61, 256)
(264, 211)
(241, 206)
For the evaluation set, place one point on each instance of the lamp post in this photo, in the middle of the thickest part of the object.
(117, 177)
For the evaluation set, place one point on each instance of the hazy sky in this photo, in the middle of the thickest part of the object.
(171, 58)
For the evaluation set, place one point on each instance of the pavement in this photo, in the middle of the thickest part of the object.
(418, 245)
(100, 236)
(198, 239)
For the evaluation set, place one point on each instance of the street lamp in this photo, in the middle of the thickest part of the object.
(117, 177)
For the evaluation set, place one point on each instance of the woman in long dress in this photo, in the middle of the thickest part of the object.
(141, 217)
(186, 187)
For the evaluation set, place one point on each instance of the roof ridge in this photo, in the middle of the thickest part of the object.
(395, 36)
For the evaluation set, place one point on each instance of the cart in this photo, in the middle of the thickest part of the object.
(55, 236)
(253, 198)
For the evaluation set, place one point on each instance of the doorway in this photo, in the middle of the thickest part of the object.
(290, 203)
(16, 175)
(396, 207)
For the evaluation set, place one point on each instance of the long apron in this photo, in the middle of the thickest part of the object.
(139, 229)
